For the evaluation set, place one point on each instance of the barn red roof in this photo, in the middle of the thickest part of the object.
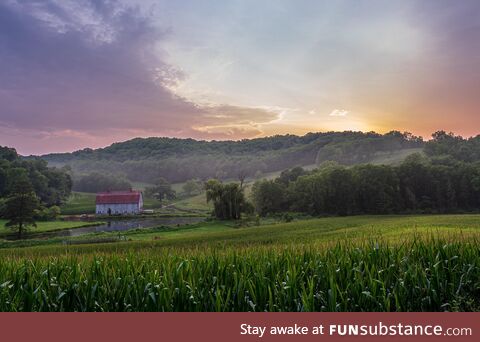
(118, 197)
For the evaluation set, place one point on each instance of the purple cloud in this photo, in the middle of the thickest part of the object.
(93, 69)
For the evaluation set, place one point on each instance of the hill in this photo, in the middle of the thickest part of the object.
(177, 160)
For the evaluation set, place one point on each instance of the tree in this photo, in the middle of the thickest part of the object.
(377, 189)
(289, 176)
(51, 185)
(228, 199)
(161, 190)
(20, 206)
(47, 214)
(179, 160)
(192, 187)
(268, 196)
(7, 153)
(242, 175)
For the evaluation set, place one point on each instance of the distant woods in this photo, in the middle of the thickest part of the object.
(179, 160)
(418, 185)
(443, 177)
(29, 190)
(97, 182)
(52, 186)
(449, 147)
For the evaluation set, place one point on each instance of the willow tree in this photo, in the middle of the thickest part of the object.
(228, 199)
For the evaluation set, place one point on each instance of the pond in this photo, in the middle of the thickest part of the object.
(129, 224)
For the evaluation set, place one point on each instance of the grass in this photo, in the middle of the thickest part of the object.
(79, 203)
(195, 203)
(364, 263)
(317, 233)
(48, 226)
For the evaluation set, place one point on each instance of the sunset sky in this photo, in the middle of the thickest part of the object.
(76, 74)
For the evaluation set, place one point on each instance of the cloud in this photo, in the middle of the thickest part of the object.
(74, 77)
(237, 115)
(339, 112)
(231, 122)
(97, 68)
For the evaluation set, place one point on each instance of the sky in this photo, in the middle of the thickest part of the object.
(87, 73)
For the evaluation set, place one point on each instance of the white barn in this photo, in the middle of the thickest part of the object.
(119, 202)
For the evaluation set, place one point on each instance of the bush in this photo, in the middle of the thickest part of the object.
(47, 214)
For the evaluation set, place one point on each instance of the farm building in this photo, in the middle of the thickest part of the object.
(119, 202)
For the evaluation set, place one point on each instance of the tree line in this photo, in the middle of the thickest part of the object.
(448, 146)
(51, 185)
(418, 185)
(30, 190)
(98, 182)
(178, 160)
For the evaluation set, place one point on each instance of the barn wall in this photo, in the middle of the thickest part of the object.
(130, 208)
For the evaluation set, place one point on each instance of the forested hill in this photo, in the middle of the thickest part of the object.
(177, 160)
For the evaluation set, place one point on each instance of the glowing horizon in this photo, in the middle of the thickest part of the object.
(84, 73)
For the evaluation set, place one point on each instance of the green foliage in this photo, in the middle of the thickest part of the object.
(447, 145)
(268, 197)
(98, 182)
(8, 154)
(361, 263)
(51, 185)
(433, 275)
(228, 200)
(21, 205)
(162, 190)
(79, 203)
(47, 214)
(328, 191)
(376, 189)
(193, 187)
(47, 226)
(287, 217)
(416, 185)
(178, 160)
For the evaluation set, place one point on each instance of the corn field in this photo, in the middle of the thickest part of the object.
(433, 275)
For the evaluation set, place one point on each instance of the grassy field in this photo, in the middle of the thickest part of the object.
(318, 233)
(79, 203)
(47, 226)
(196, 203)
(365, 263)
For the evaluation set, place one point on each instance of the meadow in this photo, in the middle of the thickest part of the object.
(47, 226)
(364, 263)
